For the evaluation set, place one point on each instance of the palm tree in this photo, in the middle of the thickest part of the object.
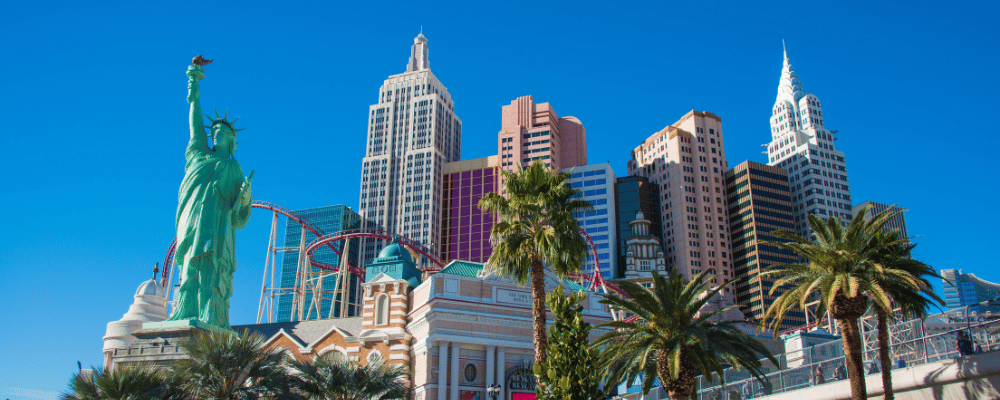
(838, 267)
(331, 376)
(225, 365)
(122, 383)
(672, 338)
(535, 228)
(911, 299)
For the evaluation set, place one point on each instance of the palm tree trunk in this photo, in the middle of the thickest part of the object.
(883, 353)
(682, 387)
(854, 357)
(538, 310)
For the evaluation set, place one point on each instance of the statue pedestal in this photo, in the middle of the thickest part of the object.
(158, 343)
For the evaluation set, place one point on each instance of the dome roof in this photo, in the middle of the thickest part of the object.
(150, 288)
(395, 251)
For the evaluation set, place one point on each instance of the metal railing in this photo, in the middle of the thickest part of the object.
(802, 368)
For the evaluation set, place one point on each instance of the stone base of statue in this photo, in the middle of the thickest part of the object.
(157, 343)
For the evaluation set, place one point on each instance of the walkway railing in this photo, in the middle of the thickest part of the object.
(799, 369)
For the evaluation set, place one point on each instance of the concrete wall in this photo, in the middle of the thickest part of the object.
(971, 377)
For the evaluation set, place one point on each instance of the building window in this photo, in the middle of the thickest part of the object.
(382, 310)
(375, 357)
(470, 373)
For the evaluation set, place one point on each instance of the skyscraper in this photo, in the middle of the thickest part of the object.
(800, 143)
(687, 161)
(466, 228)
(968, 289)
(412, 133)
(897, 222)
(596, 184)
(329, 219)
(635, 194)
(532, 132)
(759, 204)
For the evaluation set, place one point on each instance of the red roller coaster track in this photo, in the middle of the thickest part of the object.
(376, 234)
(595, 280)
(292, 215)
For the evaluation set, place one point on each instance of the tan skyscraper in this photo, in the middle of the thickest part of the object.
(687, 161)
(531, 131)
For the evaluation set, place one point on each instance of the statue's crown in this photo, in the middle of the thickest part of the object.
(223, 120)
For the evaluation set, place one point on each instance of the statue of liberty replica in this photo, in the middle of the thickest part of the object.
(212, 204)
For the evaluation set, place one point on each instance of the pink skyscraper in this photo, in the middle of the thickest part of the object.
(531, 131)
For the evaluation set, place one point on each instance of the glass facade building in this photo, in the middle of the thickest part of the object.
(466, 228)
(328, 219)
(634, 194)
(968, 289)
(596, 184)
(760, 202)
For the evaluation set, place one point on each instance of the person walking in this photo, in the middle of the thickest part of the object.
(963, 343)
(818, 378)
(841, 372)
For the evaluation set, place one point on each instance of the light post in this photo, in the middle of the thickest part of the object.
(494, 391)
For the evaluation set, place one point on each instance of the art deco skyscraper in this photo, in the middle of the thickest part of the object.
(412, 132)
(800, 143)
(687, 161)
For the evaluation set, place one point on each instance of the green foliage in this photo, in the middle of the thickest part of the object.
(224, 365)
(840, 262)
(914, 295)
(671, 338)
(331, 376)
(535, 222)
(123, 383)
(571, 368)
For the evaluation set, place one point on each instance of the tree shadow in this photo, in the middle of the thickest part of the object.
(973, 384)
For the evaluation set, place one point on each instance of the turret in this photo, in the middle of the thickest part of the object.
(149, 305)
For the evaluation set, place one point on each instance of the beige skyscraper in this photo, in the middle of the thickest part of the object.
(687, 161)
(412, 132)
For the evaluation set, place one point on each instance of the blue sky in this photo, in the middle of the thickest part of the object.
(94, 120)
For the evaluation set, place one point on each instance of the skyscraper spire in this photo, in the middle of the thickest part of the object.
(418, 54)
(783, 49)
(790, 88)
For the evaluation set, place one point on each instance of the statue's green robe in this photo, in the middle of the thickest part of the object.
(207, 219)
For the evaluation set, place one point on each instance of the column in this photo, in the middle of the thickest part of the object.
(454, 371)
(490, 366)
(442, 370)
(501, 370)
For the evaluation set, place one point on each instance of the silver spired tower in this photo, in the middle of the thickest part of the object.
(817, 172)
(412, 132)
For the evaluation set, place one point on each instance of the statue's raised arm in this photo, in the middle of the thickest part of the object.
(195, 72)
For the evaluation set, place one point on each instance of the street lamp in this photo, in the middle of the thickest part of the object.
(494, 391)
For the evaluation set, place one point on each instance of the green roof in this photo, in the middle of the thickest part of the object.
(471, 270)
(463, 268)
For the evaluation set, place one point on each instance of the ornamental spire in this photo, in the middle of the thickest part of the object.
(783, 49)
(790, 88)
(418, 54)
